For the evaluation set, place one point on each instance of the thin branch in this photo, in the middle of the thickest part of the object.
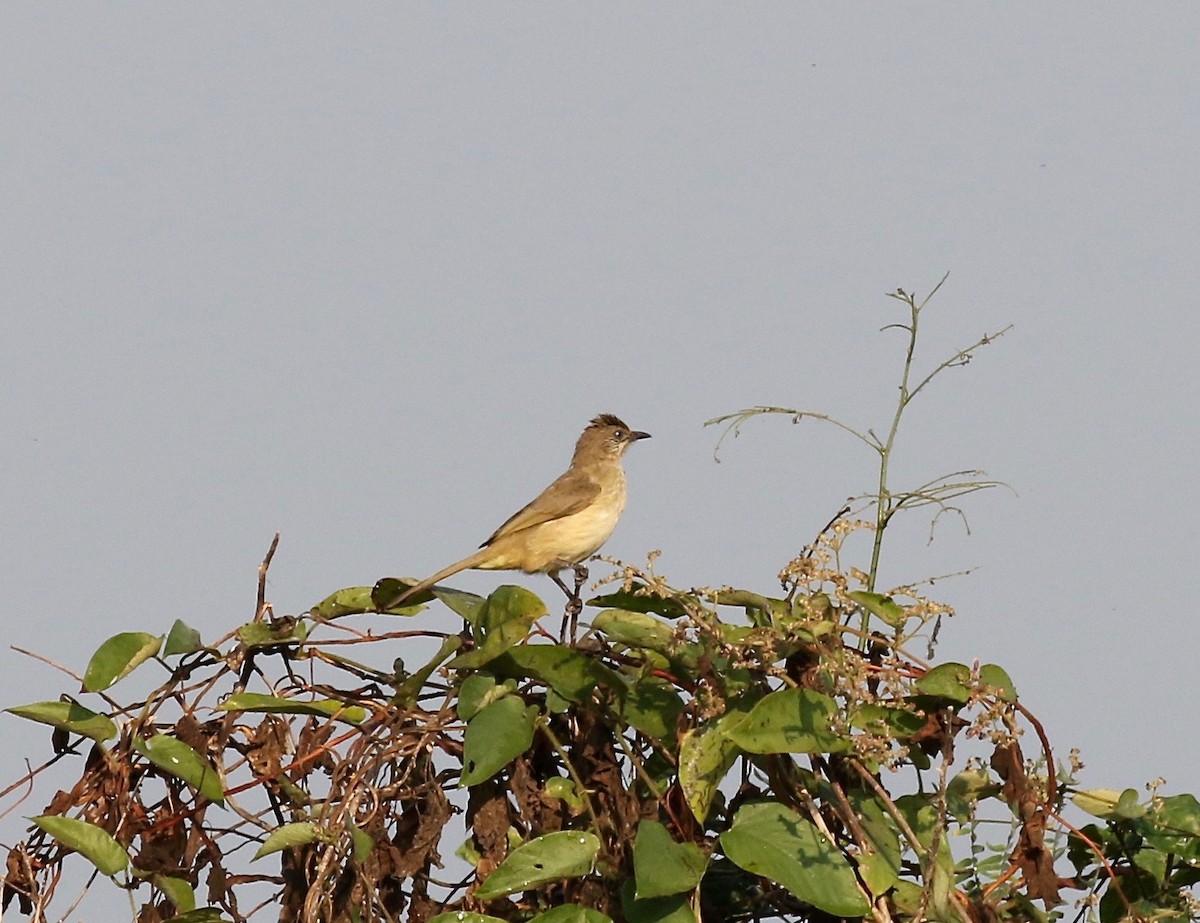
(889, 806)
(960, 358)
(261, 606)
(52, 663)
(586, 793)
(737, 420)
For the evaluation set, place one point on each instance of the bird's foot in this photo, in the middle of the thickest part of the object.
(574, 600)
(571, 618)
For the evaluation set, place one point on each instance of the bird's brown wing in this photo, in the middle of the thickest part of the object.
(572, 492)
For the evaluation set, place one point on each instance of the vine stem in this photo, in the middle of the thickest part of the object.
(883, 506)
(640, 769)
(544, 727)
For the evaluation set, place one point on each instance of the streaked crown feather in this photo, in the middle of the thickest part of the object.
(608, 419)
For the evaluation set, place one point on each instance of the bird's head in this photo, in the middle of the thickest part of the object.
(607, 436)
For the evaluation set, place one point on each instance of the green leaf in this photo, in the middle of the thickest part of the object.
(924, 819)
(1153, 862)
(349, 601)
(736, 682)
(495, 737)
(408, 690)
(648, 634)
(967, 789)
(675, 908)
(636, 629)
(947, 681)
(117, 657)
(878, 872)
(921, 814)
(789, 721)
(174, 756)
(652, 706)
(478, 691)
(910, 898)
(466, 606)
(639, 598)
(504, 621)
(91, 842)
(565, 791)
(571, 674)
(362, 843)
(705, 755)
(1109, 804)
(177, 890)
(1128, 807)
(881, 605)
(68, 716)
(289, 835)
(999, 681)
(897, 721)
(1099, 802)
(1174, 826)
(878, 866)
(262, 633)
(200, 915)
(388, 590)
(182, 639)
(762, 611)
(571, 913)
(769, 840)
(662, 866)
(817, 607)
(269, 704)
(469, 852)
(553, 857)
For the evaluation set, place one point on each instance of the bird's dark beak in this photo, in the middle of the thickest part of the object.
(638, 434)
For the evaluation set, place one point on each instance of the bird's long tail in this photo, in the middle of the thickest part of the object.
(479, 557)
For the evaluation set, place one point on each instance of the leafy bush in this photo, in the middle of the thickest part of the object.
(698, 753)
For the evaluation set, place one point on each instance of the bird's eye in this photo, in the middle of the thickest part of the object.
(619, 434)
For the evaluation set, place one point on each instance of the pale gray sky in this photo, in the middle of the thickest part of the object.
(360, 273)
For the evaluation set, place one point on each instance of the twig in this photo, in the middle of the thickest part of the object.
(260, 608)
(889, 806)
(639, 768)
(52, 663)
(583, 790)
(28, 777)
(735, 421)
(1051, 774)
(1113, 878)
(82, 894)
(939, 826)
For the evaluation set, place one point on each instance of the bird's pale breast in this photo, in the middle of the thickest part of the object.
(573, 538)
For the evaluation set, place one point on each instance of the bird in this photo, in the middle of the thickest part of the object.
(567, 522)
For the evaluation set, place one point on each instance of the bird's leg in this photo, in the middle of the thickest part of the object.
(562, 631)
(562, 586)
(576, 604)
(574, 599)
